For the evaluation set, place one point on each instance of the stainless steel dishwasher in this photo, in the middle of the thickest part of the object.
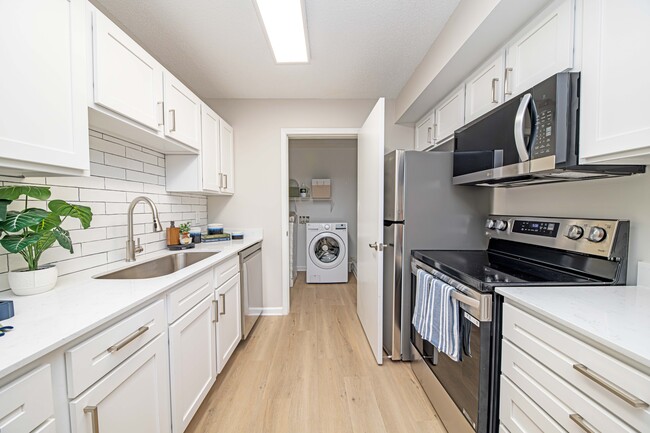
(250, 261)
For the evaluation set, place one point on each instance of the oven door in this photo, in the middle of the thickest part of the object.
(467, 381)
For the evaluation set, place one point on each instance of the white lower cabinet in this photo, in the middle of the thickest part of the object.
(24, 410)
(193, 367)
(134, 397)
(552, 381)
(228, 320)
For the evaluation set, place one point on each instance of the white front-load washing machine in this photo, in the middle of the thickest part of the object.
(327, 253)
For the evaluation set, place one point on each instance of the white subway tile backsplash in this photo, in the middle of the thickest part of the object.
(138, 176)
(120, 171)
(107, 171)
(94, 133)
(141, 156)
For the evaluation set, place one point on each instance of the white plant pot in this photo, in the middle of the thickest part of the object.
(24, 282)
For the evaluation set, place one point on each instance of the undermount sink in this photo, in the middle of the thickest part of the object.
(157, 268)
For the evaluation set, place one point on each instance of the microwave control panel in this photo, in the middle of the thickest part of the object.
(545, 140)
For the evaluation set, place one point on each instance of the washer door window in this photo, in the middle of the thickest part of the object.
(327, 250)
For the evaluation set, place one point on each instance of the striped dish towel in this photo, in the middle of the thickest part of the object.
(436, 315)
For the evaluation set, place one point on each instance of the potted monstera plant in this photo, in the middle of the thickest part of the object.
(30, 231)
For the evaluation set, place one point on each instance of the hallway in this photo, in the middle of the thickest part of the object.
(313, 372)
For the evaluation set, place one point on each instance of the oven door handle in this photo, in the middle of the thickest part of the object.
(464, 299)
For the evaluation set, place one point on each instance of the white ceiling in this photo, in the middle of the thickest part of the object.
(359, 48)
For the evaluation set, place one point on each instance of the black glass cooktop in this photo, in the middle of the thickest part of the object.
(484, 270)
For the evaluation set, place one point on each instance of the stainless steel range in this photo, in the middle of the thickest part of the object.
(522, 251)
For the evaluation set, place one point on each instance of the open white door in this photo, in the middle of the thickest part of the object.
(370, 231)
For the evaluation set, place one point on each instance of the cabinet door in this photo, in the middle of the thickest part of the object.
(134, 397)
(182, 113)
(449, 116)
(43, 110)
(22, 409)
(484, 89)
(210, 153)
(127, 80)
(229, 320)
(227, 157)
(545, 48)
(615, 84)
(424, 133)
(193, 364)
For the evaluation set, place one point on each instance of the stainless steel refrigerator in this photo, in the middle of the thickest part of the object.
(422, 210)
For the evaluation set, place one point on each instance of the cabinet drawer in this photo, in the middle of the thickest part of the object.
(190, 293)
(560, 351)
(26, 402)
(556, 397)
(520, 414)
(48, 426)
(89, 361)
(226, 270)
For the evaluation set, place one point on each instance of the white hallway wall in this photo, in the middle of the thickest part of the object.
(323, 159)
(258, 198)
(621, 198)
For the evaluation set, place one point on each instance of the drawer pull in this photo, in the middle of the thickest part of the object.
(223, 304)
(94, 417)
(216, 311)
(609, 386)
(114, 348)
(581, 422)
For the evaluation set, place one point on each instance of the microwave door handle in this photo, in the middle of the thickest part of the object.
(520, 141)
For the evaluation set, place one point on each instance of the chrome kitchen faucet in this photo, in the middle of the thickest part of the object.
(131, 248)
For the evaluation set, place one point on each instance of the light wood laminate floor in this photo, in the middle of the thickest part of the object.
(313, 372)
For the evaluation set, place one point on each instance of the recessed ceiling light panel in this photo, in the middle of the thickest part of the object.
(286, 29)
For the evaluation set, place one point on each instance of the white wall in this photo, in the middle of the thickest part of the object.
(621, 198)
(258, 197)
(120, 171)
(326, 159)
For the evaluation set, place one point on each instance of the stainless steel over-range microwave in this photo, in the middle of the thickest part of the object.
(532, 138)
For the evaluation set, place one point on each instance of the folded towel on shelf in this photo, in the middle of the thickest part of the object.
(436, 315)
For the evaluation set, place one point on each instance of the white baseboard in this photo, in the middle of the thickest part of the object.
(301, 268)
(272, 311)
(353, 267)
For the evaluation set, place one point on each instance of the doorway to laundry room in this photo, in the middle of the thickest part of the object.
(322, 209)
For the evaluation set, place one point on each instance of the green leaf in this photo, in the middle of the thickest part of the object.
(63, 237)
(45, 242)
(52, 220)
(83, 213)
(3, 208)
(16, 221)
(17, 243)
(14, 191)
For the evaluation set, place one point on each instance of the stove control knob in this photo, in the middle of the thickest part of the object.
(575, 232)
(501, 225)
(596, 234)
(326, 226)
(490, 223)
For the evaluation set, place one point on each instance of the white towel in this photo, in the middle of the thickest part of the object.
(436, 315)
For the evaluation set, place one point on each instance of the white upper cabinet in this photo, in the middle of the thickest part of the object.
(127, 80)
(544, 48)
(227, 157)
(449, 115)
(210, 150)
(615, 83)
(484, 89)
(182, 113)
(424, 132)
(43, 117)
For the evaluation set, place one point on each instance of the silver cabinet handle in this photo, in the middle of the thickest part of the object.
(506, 82)
(160, 114)
(581, 422)
(435, 132)
(495, 81)
(216, 311)
(94, 417)
(609, 386)
(223, 304)
(220, 180)
(519, 127)
(114, 348)
(429, 135)
(225, 176)
(172, 113)
(377, 246)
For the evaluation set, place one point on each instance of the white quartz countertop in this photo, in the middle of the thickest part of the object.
(78, 304)
(616, 318)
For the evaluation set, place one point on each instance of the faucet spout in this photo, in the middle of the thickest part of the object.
(131, 248)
